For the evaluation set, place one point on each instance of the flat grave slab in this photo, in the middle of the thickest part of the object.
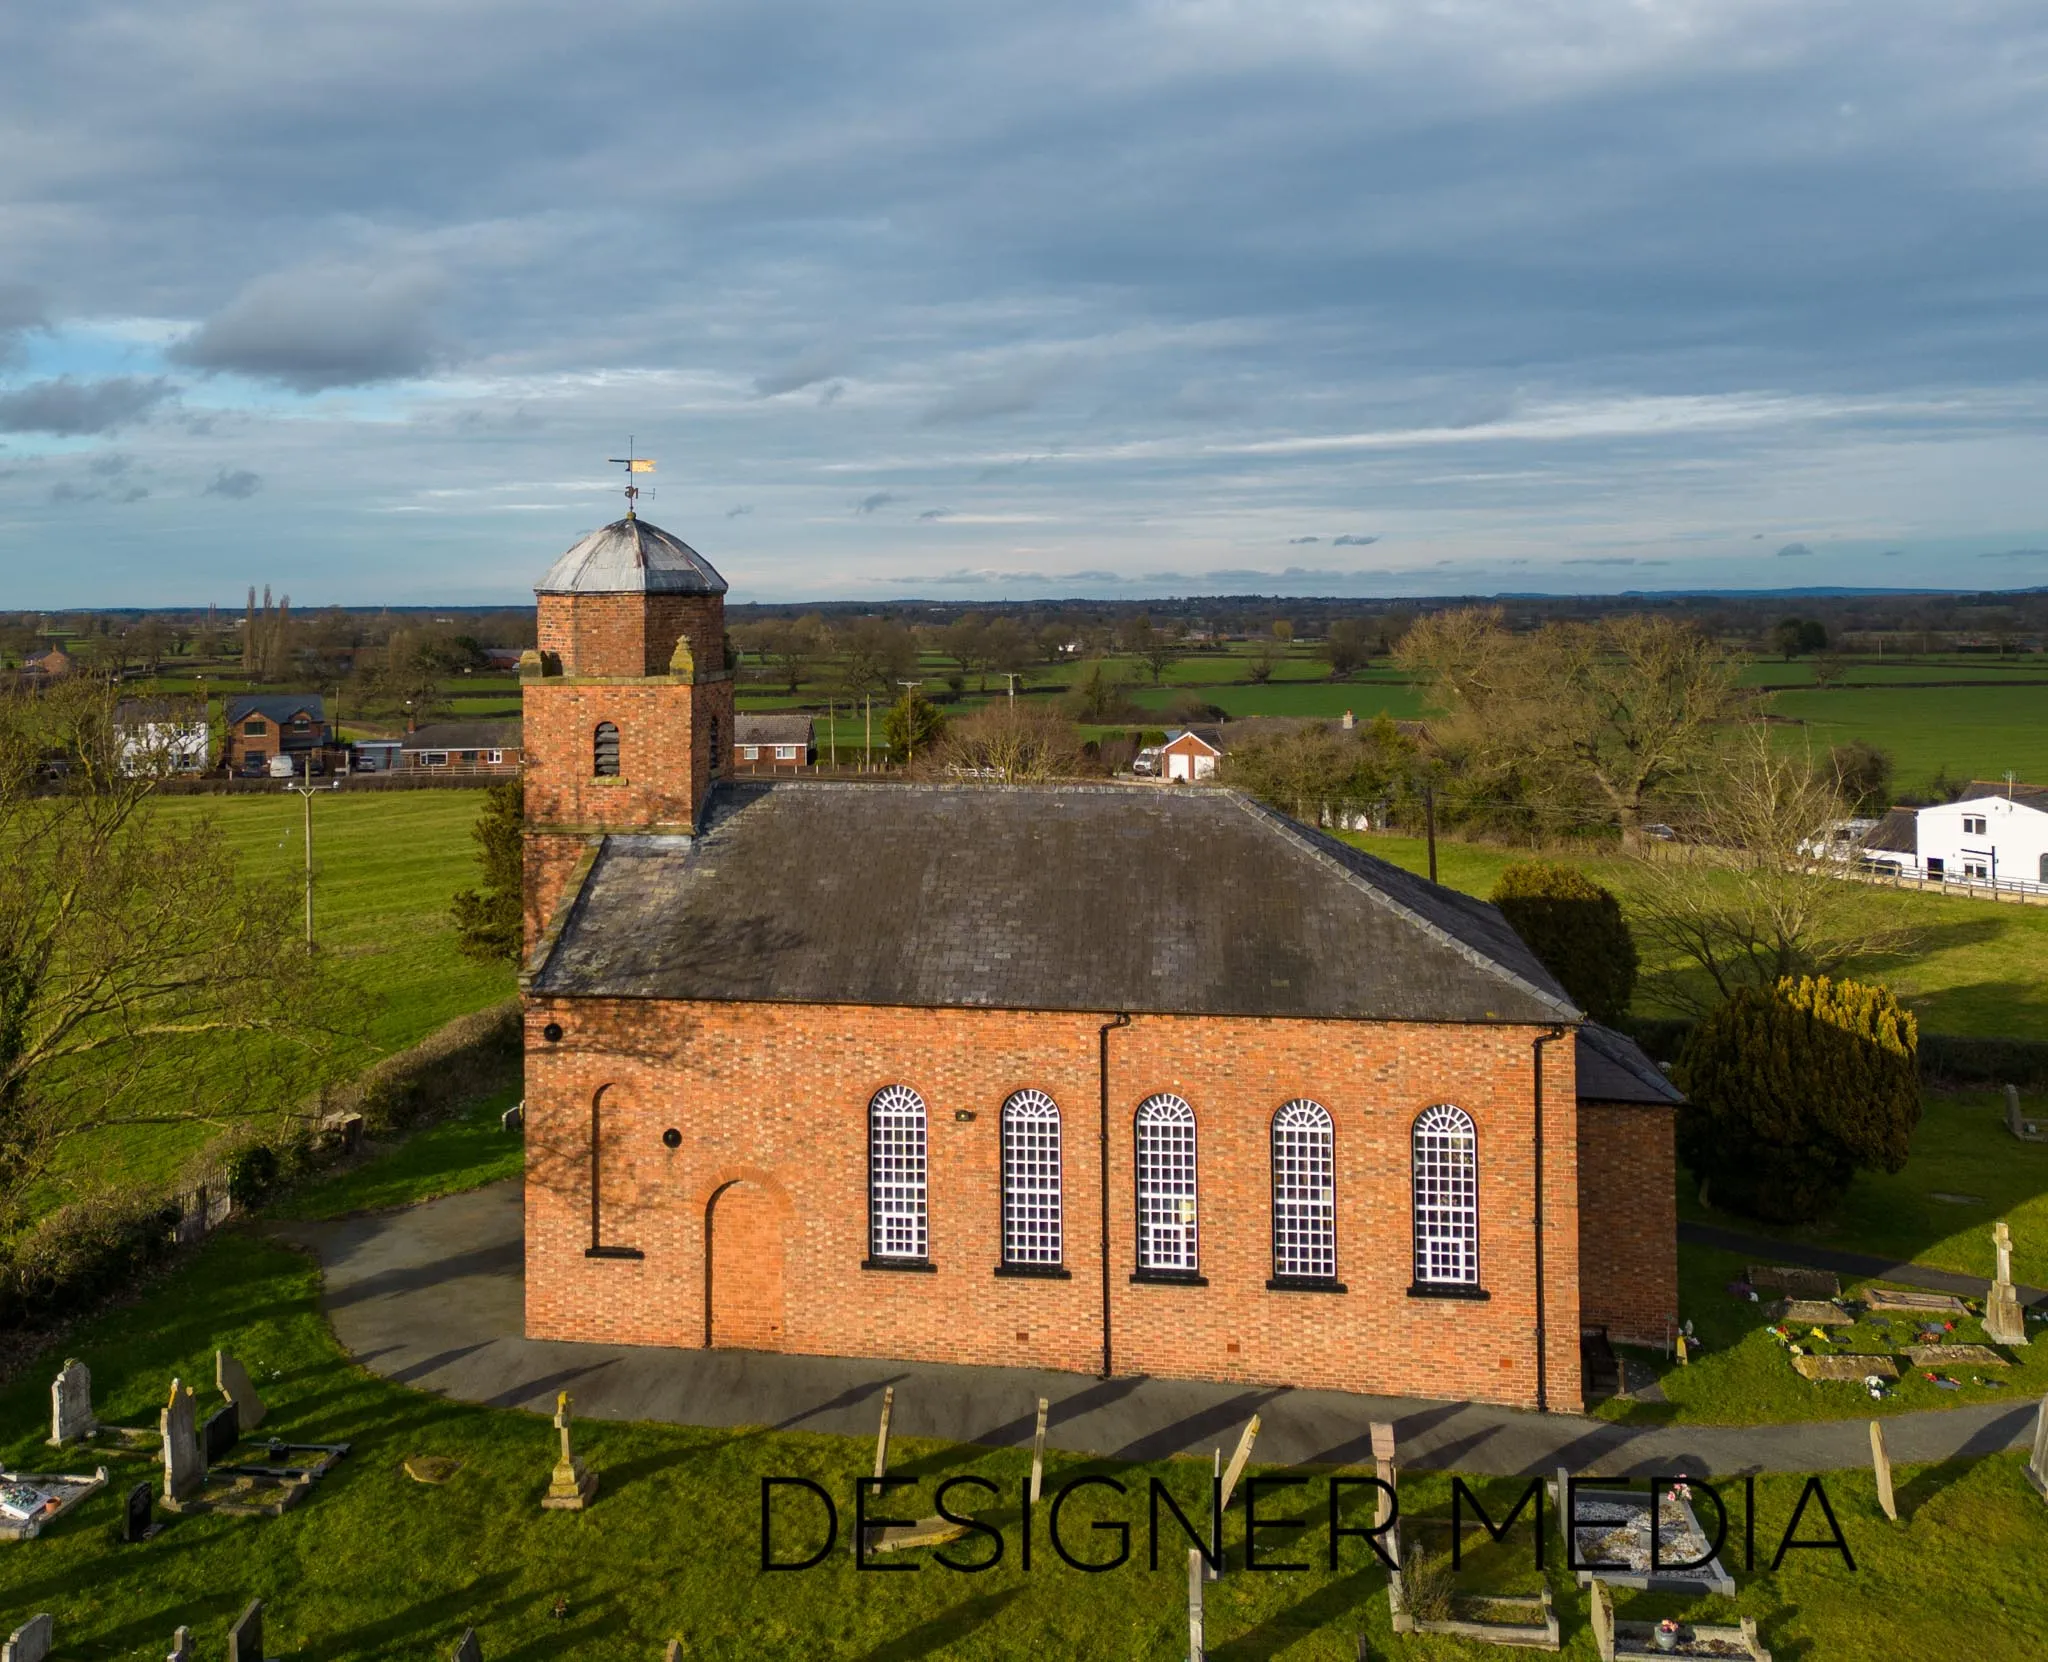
(1919, 1303)
(30, 1501)
(1795, 1281)
(1811, 1312)
(1851, 1368)
(1611, 1534)
(1956, 1356)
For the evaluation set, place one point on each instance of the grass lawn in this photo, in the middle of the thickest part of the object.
(1979, 967)
(374, 1564)
(464, 1152)
(386, 865)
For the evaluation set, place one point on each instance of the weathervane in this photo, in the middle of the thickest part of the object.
(632, 464)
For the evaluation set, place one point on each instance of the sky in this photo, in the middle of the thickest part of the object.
(355, 298)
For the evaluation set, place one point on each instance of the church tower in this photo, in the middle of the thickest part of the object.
(627, 700)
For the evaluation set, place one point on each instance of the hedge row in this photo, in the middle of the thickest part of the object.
(95, 1248)
(1945, 1058)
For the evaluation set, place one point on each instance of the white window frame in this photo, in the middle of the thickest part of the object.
(785, 753)
(897, 1175)
(750, 753)
(1444, 1146)
(1973, 825)
(1169, 1200)
(1032, 1236)
(1304, 1192)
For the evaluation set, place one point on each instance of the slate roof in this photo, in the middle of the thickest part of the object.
(1898, 832)
(771, 727)
(279, 707)
(1069, 897)
(1611, 1067)
(629, 556)
(2027, 796)
(464, 735)
(137, 712)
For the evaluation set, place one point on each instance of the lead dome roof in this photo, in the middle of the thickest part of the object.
(630, 556)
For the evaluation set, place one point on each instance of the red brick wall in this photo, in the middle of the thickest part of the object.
(631, 635)
(1628, 1220)
(775, 1096)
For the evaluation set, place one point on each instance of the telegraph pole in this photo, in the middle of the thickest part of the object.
(909, 732)
(305, 793)
(1011, 677)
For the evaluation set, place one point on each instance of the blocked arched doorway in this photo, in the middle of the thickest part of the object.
(743, 1251)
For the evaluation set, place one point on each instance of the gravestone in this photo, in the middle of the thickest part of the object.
(184, 1465)
(1195, 1637)
(1881, 1469)
(1848, 1367)
(572, 1486)
(674, 1653)
(181, 1646)
(1795, 1281)
(467, 1649)
(245, 1638)
(30, 1642)
(2004, 1322)
(138, 1515)
(218, 1436)
(2013, 1122)
(514, 1117)
(235, 1384)
(1811, 1312)
(1038, 1453)
(1916, 1303)
(882, 1435)
(2037, 1461)
(1956, 1356)
(71, 1416)
(1238, 1460)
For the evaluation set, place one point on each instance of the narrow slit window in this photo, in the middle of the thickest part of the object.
(1304, 1202)
(1446, 1198)
(605, 751)
(896, 1174)
(1167, 1237)
(1031, 1179)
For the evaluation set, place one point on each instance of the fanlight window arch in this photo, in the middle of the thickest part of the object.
(1031, 1179)
(604, 751)
(1304, 1196)
(896, 1174)
(1446, 1198)
(1167, 1230)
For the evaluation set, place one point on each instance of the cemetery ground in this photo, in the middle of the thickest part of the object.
(374, 1564)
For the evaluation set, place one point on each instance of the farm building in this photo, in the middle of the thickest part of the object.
(773, 743)
(1993, 834)
(1097, 1078)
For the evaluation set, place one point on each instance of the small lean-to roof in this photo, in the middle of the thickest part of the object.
(1069, 897)
(629, 556)
(1898, 832)
(771, 727)
(1611, 1067)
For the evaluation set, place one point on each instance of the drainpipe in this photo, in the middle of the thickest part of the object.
(1542, 1333)
(1122, 1019)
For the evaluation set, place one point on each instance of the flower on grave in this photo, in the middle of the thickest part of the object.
(560, 1609)
(1667, 1625)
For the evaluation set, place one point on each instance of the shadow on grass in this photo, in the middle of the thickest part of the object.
(452, 1610)
(1928, 1483)
(932, 1638)
(1321, 1609)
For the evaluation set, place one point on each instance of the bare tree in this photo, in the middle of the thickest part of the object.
(132, 949)
(1010, 741)
(1753, 893)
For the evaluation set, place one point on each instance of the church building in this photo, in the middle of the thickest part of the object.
(1112, 1078)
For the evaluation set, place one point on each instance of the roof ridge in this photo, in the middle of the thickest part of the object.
(1292, 831)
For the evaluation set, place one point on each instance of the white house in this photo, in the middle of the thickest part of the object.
(1994, 834)
(161, 735)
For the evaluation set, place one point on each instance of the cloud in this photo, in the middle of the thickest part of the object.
(1893, 554)
(21, 309)
(2017, 554)
(71, 408)
(1602, 560)
(322, 326)
(936, 513)
(739, 512)
(239, 484)
(1353, 542)
(65, 491)
(998, 395)
(1795, 551)
(1296, 542)
(805, 371)
(874, 502)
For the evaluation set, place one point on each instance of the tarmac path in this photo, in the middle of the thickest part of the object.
(433, 1297)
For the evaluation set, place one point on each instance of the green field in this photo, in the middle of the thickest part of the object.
(385, 866)
(373, 1564)
(1968, 732)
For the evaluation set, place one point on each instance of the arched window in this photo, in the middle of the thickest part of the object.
(896, 1174)
(1446, 1198)
(604, 751)
(1166, 1185)
(1304, 1205)
(1031, 1179)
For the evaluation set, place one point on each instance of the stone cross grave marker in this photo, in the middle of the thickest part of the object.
(2037, 1461)
(184, 1466)
(1038, 1453)
(245, 1638)
(30, 1642)
(71, 1416)
(1881, 1469)
(235, 1384)
(138, 1516)
(181, 1646)
(1195, 1637)
(467, 1648)
(572, 1486)
(2004, 1322)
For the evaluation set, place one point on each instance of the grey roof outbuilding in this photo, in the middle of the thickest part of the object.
(464, 735)
(629, 556)
(1611, 1067)
(1069, 897)
(771, 727)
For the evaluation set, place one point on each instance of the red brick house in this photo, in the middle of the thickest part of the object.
(1187, 756)
(263, 725)
(461, 744)
(773, 742)
(1097, 1078)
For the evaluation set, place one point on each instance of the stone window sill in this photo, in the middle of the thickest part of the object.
(1170, 1278)
(1036, 1272)
(1449, 1289)
(613, 1252)
(916, 1266)
(1305, 1284)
